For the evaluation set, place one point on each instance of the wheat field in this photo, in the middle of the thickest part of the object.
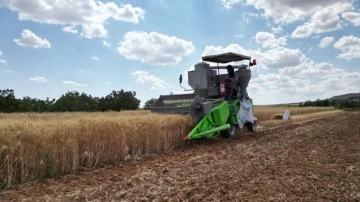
(36, 145)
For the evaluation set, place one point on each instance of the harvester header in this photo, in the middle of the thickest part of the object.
(219, 102)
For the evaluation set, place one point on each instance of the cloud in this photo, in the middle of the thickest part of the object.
(94, 58)
(311, 69)
(91, 15)
(279, 57)
(315, 80)
(285, 11)
(93, 30)
(144, 77)
(323, 20)
(82, 71)
(70, 29)
(1, 60)
(107, 44)
(352, 75)
(325, 42)
(268, 40)
(353, 17)
(229, 3)
(39, 79)
(276, 57)
(235, 48)
(239, 36)
(277, 30)
(288, 85)
(154, 48)
(73, 83)
(30, 39)
(350, 47)
(310, 80)
(245, 17)
(323, 14)
(107, 83)
(255, 89)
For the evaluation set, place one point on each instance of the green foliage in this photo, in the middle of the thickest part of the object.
(339, 104)
(8, 102)
(149, 103)
(70, 102)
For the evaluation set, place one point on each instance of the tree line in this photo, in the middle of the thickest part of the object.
(72, 101)
(353, 103)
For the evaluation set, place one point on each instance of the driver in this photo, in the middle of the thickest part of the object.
(231, 83)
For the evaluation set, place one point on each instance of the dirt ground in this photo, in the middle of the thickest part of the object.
(314, 161)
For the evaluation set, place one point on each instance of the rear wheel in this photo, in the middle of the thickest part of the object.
(229, 133)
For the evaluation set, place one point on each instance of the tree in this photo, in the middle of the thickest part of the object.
(149, 103)
(28, 104)
(8, 102)
(318, 103)
(121, 100)
(308, 103)
(326, 103)
(74, 101)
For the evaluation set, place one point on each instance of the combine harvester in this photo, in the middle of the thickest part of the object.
(213, 106)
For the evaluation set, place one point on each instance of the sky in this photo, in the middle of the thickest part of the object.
(304, 50)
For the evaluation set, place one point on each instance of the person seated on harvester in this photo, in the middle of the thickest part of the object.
(231, 83)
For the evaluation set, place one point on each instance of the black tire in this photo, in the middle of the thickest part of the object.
(229, 133)
(252, 126)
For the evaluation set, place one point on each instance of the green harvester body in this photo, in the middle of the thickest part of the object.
(212, 112)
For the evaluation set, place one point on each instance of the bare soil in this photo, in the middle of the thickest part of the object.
(314, 161)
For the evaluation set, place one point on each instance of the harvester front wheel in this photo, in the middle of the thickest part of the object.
(229, 133)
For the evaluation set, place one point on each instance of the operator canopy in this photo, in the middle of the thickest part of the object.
(225, 57)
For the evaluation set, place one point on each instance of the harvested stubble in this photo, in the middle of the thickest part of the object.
(263, 113)
(278, 116)
(300, 118)
(44, 145)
